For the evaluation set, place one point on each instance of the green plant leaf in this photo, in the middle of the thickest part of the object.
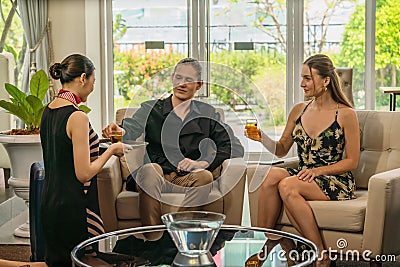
(35, 103)
(38, 118)
(37, 107)
(15, 93)
(18, 97)
(39, 84)
(15, 110)
(11, 49)
(85, 109)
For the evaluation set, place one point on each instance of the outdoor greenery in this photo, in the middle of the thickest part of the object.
(239, 79)
(140, 75)
(12, 36)
(249, 79)
(255, 78)
(387, 56)
(270, 18)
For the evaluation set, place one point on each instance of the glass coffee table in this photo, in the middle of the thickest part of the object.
(233, 246)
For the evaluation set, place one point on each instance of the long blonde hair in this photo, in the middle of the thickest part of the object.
(324, 67)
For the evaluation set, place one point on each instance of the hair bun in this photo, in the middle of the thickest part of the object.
(55, 71)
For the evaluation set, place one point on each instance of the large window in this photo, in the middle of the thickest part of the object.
(330, 28)
(260, 45)
(387, 57)
(247, 60)
(149, 37)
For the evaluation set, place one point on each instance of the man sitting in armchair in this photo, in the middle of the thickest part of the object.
(187, 143)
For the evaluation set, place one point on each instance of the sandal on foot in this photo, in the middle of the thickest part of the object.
(258, 259)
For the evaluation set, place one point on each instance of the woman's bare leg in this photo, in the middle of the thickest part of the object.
(293, 221)
(269, 208)
(6, 263)
(269, 200)
(294, 194)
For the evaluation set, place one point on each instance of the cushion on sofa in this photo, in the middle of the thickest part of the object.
(347, 215)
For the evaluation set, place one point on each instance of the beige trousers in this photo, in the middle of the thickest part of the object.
(151, 182)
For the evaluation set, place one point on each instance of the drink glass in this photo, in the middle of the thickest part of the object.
(193, 233)
(116, 136)
(252, 130)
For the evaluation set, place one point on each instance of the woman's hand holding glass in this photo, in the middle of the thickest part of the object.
(252, 131)
(117, 147)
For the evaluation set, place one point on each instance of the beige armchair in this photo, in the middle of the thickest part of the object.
(119, 208)
(369, 222)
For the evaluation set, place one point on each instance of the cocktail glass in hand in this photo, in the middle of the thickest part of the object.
(116, 136)
(252, 130)
(193, 233)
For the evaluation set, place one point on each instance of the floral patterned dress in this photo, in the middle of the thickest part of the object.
(326, 149)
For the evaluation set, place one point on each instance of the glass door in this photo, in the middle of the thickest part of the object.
(149, 38)
(241, 43)
(247, 51)
(337, 29)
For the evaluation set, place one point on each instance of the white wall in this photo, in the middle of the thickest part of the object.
(76, 28)
(68, 27)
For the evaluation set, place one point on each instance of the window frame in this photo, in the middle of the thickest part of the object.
(295, 53)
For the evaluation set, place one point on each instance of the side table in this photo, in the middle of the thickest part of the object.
(392, 91)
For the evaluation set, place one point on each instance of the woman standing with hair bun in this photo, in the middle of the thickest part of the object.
(69, 209)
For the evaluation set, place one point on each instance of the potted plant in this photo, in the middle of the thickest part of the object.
(23, 145)
(27, 107)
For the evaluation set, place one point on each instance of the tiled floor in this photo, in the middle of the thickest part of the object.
(13, 213)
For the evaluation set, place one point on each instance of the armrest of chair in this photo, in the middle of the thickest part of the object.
(231, 185)
(382, 214)
(109, 183)
(292, 162)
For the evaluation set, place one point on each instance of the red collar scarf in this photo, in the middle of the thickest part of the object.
(65, 94)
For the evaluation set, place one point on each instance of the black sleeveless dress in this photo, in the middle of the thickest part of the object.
(69, 209)
(326, 149)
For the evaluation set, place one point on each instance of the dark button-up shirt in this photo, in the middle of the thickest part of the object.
(200, 136)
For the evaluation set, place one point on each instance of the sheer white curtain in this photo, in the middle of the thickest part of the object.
(35, 23)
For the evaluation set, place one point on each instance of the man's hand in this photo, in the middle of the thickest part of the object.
(110, 128)
(190, 165)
